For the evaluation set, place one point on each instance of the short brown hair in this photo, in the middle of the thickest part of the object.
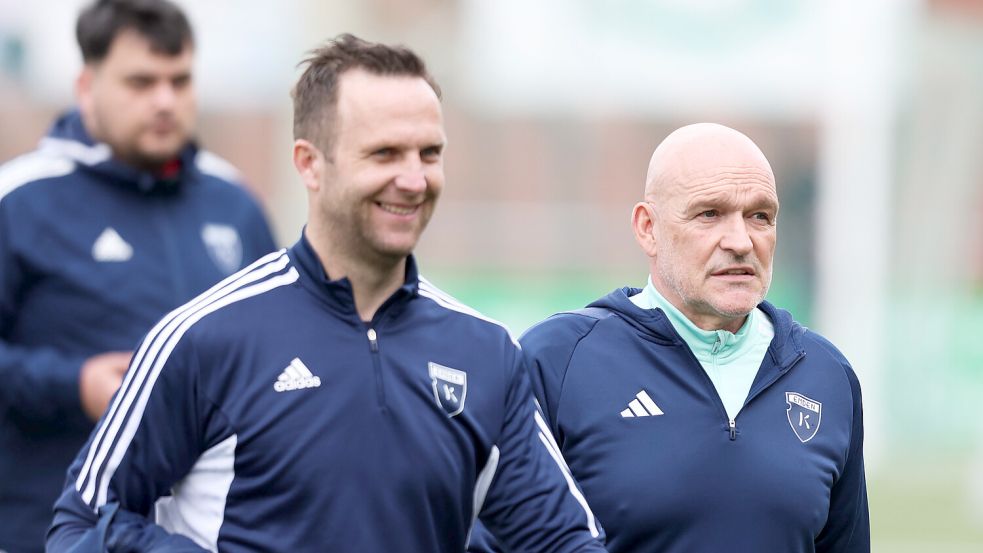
(316, 93)
(160, 22)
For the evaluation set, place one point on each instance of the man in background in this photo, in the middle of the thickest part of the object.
(696, 416)
(115, 219)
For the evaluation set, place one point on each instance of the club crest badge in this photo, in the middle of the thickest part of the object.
(804, 415)
(450, 387)
(224, 246)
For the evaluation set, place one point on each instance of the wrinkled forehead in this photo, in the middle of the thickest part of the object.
(739, 186)
(734, 187)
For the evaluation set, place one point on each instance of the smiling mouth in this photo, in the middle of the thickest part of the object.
(397, 210)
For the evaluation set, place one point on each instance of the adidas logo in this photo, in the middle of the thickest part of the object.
(296, 377)
(110, 246)
(641, 406)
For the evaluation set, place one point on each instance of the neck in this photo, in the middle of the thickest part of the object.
(716, 322)
(703, 321)
(372, 281)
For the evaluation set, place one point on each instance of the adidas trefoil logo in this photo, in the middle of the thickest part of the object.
(641, 406)
(296, 377)
(110, 246)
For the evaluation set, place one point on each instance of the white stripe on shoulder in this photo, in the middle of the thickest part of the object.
(31, 167)
(443, 299)
(75, 150)
(127, 407)
(104, 469)
(549, 443)
(211, 164)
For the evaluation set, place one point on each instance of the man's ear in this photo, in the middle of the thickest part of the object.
(643, 225)
(83, 89)
(309, 162)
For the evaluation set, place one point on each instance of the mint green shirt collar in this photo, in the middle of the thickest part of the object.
(702, 342)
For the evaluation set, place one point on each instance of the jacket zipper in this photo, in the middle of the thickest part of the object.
(373, 337)
(731, 423)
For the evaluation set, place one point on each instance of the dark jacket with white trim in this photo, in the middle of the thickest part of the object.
(92, 252)
(788, 476)
(265, 415)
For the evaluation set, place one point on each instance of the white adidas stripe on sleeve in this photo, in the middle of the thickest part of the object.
(131, 381)
(139, 380)
(129, 431)
(546, 437)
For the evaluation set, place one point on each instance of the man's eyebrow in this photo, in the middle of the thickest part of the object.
(716, 199)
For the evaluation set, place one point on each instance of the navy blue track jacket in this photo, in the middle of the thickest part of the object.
(92, 252)
(266, 416)
(788, 477)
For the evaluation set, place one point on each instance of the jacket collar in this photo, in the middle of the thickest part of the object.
(338, 294)
(69, 138)
(785, 347)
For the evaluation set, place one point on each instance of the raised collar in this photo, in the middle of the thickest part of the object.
(338, 293)
(69, 138)
(784, 349)
(704, 343)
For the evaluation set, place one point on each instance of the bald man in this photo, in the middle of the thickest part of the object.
(696, 416)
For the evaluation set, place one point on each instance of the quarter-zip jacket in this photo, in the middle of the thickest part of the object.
(676, 474)
(92, 252)
(266, 416)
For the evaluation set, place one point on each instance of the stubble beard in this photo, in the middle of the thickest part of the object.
(129, 150)
(690, 295)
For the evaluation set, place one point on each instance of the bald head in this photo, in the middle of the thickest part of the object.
(700, 151)
(707, 224)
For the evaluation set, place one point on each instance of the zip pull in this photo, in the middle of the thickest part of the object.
(733, 429)
(716, 346)
(373, 343)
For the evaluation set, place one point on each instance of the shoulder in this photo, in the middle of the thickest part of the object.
(223, 185)
(562, 331)
(33, 167)
(455, 309)
(832, 359)
(220, 311)
(210, 164)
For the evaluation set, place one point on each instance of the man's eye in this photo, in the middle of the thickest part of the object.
(384, 152)
(762, 216)
(708, 214)
(139, 83)
(430, 154)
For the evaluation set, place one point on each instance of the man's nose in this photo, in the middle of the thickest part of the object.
(736, 237)
(164, 96)
(412, 177)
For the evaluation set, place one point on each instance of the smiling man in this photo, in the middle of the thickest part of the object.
(116, 218)
(696, 416)
(329, 398)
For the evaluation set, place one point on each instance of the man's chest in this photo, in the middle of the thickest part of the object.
(653, 448)
(317, 397)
